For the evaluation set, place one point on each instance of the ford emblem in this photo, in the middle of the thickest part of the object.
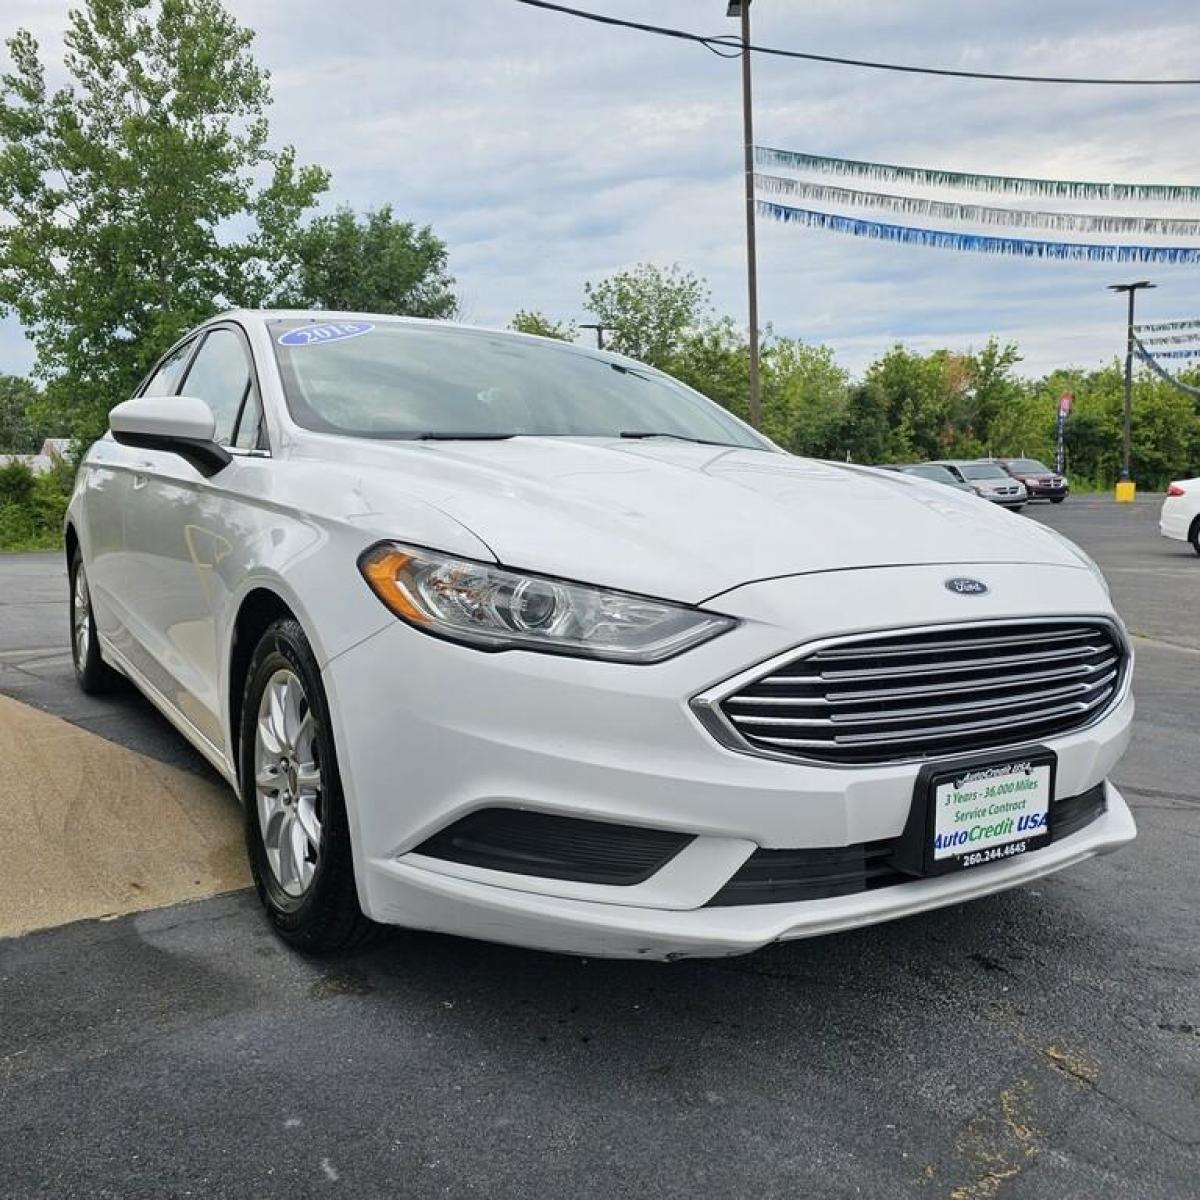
(960, 585)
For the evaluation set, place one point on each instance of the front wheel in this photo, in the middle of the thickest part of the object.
(297, 834)
(1057, 499)
(92, 673)
(1194, 535)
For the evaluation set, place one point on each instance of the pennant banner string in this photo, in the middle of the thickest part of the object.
(1193, 353)
(769, 156)
(977, 214)
(1169, 338)
(1157, 326)
(1161, 371)
(979, 243)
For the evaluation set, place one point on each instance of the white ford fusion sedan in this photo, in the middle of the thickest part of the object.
(502, 637)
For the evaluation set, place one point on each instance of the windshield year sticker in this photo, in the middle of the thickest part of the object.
(316, 335)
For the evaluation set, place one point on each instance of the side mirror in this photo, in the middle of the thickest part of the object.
(181, 424)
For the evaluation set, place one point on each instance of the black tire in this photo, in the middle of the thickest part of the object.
(1057, 499)
(1194, 535)
(92, 673)
(326, 916)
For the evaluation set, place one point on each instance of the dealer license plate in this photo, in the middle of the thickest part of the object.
(986, 813)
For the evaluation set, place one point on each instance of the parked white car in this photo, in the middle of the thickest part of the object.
(507, 638)
(1180, 516)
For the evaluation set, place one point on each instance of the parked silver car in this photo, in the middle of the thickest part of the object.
(933, 471)
(988, 480)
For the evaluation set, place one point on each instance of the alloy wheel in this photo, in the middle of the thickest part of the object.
(287, 780)
(81, 612)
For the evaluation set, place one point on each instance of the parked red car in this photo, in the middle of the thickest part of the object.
(1040, 482)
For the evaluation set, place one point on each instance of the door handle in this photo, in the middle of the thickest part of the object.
(139, 481)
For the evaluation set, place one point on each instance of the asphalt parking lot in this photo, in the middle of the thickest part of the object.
(1041, 1043)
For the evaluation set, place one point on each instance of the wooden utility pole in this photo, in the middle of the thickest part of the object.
(741, 8)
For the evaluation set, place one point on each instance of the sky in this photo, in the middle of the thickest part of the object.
(548, 151)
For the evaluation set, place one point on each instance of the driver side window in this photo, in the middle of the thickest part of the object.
(220, 376)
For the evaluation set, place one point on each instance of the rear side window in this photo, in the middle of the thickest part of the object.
(163, 382)
(220, 376)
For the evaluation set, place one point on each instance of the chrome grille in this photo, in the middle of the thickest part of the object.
(930, 693)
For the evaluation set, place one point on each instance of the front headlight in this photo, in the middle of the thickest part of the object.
(496, 609)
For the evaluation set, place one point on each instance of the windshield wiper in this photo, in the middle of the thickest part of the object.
(679, 437)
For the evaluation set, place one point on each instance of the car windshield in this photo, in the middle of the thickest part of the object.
(930, 471)
(1029, 466)
(982, 471)
(391, 380)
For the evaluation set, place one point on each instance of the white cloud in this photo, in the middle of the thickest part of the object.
(550, 151)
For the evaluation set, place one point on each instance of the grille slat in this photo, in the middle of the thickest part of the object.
(988, 684)
(915, 714)
(937, 668)
(965, 729)
(935, 692)
(836, 652)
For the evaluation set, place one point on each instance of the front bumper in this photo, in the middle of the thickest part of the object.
(426, 899)
(428, 732)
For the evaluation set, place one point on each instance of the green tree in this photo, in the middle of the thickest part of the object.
(993, 391)
(919, 395)
(20, 431)
(805, 397)
(16, 483)
(535, 322)
(648, 310)
(715, 360)
(866, 435)
(120, 189)
(376, 265)
(1165, 426)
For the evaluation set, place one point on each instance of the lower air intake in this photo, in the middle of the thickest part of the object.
(785, 876)
(552, 847)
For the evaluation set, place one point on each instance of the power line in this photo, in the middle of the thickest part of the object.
(730, 47)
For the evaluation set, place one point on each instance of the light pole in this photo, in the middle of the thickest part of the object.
(1126, 493)
(741, 8)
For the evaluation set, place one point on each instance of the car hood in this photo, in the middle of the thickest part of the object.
(680, 520)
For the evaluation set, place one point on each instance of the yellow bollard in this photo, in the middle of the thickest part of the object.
(1126, 490)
